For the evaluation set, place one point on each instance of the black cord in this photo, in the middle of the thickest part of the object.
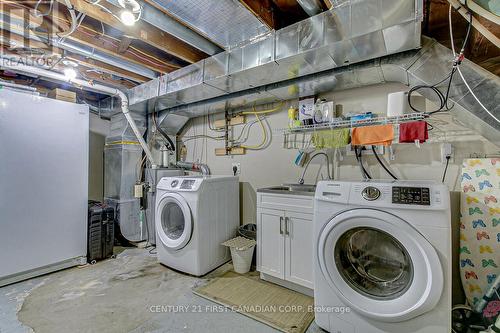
(443, 98)
(360, 162)
(170, 145)
(446, 168)
(382, 164)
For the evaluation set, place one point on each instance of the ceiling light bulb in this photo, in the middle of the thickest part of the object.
(127, 18)
(70, 73)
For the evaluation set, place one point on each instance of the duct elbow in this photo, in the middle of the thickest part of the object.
(196, 167)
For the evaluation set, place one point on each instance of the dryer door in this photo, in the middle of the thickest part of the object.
(173, 221)
(380, 265)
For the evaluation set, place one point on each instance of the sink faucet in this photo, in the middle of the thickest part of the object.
(301, 179)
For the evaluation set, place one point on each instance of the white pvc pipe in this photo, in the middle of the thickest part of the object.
(30, 70)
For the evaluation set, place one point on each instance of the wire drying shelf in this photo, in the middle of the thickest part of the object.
(356, 123)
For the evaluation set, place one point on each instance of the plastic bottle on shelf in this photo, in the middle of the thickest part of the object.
(292, 117)
(318, 111)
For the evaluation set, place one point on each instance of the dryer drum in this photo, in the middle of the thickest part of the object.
(374, 263)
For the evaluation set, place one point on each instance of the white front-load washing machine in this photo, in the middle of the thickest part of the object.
(382, 257)
(193, 216)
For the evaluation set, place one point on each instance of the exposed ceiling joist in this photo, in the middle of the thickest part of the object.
(141, 30)
(87, 71)
(328, 4)
(101, 66)
(264, 10)
(89, 37)
(16, 43)
(158, 17)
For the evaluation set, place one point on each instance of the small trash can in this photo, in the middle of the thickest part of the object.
(241, 252)
(248, 231)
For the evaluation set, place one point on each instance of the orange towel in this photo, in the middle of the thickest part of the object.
(372, 135)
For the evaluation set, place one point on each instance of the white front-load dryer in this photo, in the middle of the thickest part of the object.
(193, 216)
(382, 257)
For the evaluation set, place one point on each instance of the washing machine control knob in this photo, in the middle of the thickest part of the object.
(370, 193)
(174, 183)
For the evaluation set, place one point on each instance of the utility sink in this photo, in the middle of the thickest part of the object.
(295, 189)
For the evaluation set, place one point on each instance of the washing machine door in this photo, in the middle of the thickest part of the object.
(380, 265)
(173, 220)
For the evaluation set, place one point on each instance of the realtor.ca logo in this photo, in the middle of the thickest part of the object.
(29, 30)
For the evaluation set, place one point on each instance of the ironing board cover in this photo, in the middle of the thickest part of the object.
(480, 226)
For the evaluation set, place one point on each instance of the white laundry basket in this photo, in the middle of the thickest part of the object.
(241, 253)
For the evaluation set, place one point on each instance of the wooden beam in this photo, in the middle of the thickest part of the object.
(56, 53)
(141, 30)
(88, 36)
(106, 68)
(107, 79)
(264, 10)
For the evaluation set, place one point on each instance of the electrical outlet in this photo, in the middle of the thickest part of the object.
(446, 151)
(236, 168)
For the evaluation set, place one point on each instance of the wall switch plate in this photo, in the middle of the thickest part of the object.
(446, 150)
(236, 169)
(138, 191)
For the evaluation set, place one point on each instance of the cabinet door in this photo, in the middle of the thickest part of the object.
(270, 242)
(299, 248)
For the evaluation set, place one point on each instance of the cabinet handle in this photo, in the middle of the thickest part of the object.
(287, 219)
(281, 225)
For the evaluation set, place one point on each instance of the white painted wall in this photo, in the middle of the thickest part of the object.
(274, 165)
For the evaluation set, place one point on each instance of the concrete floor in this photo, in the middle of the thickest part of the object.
(117, 295)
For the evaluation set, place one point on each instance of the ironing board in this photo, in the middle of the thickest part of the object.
(480, 226)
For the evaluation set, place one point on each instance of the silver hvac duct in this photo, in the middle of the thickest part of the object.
(425, 66)
(196, 167)
(13, 26)
(350, 33)
(171, 26)
(311, 7)
(91, 52)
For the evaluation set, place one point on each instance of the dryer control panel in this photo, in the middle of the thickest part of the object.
(180, 184)
(411, 195)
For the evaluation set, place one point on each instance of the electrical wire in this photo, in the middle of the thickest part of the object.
(359, 158)
(201, 136)
(382, 164)
(37, 14)
(246, 128)
(461, 54)
(97, 4)
(169, 143)
(443, 97)
(445, 168)
(132, 50)
(74, 20)
(254, 112)
(264, 134)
